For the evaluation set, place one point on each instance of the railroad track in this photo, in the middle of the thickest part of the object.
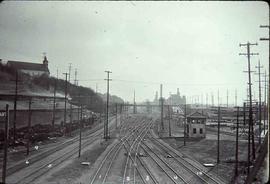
(49, 150)
(134, 146)
(102, 172)
(42, 161)
(193, 167)
(166, 168)
(140, 167)
(44, 165)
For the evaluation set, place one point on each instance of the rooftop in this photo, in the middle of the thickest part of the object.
(28, 66)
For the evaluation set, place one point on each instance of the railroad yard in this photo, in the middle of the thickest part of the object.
(133, 154)
(134, 92)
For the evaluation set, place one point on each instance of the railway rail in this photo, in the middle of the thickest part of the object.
(191, 165)
(41, 161)
(102, 172)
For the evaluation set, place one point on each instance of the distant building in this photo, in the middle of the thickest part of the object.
(196, 125)
(33, 69)
(176, 99)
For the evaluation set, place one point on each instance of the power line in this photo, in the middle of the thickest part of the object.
(107, 106)
(260, 103)
(248, 54)
(69, 70)
(178, 84)
(65, 111)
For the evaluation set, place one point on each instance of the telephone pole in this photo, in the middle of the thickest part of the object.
(115, 116)
(248, 54)
(212, 98)
(107, 106)
(70, 118)
(235, 98)
(268, 97)
(5, 148)
(185, 123)
(206, 99)
(65, 110)
(218, 97)
(260, 99)
(202, 99)
(80, 134)
(218, 136)
(15, 108)
(75, 80)
(236, 144)
(161, 105)
(227, 98)
(134, 103)
(244, 113)
(169, 118)
(264, 109)
(54, 101)
(29, 125)
(69, 72)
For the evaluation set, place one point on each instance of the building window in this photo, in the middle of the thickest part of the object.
(201, 130)
(194, 130)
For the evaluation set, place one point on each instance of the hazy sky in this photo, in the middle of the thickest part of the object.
(192, 46)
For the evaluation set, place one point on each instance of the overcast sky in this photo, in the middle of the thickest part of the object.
(192, 46)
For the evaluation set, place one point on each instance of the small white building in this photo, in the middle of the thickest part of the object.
(196, 125)
(33, 69)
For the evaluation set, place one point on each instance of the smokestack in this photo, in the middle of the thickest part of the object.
(160, 91)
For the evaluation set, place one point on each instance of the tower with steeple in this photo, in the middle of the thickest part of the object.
(45, 61)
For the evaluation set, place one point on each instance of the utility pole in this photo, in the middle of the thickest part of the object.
(4, 168)
(227, 98)
(185, 124)
(248, 54)
(206, 99)
(75, 80)
(15, 108)
(70, 118)
(244, 114)
(134, 103)
(236, 144)
(96, 88)
(80, 135)
(69, 72)
(260, 100)
(116, 116)
(202, 99)
(212, 98)
(218, 136)
(268, 97)
(78, 108)
(161, 105)
(107, 107)
(264, 109)
(218, 97)
(54, 105)
(235, 98)
(169, 118)
(65, 110)
(29, 125)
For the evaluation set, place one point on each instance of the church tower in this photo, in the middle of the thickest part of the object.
(45, 61)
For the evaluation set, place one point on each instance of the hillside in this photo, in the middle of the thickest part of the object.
(44, 86)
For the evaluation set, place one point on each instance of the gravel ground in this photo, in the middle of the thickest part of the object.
(205, 151)
(70, 171)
